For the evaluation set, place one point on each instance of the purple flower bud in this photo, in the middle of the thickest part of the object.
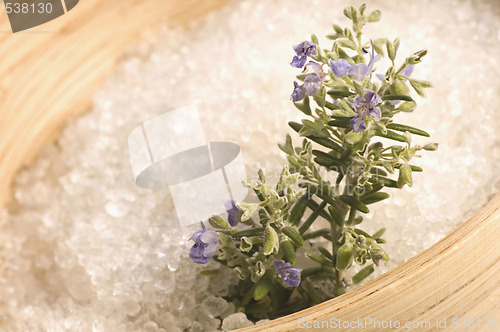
(289, 274)
(205, 245)
(298, 92)
(233, 213)
(365, 106)
(302, 51)
(339, 67)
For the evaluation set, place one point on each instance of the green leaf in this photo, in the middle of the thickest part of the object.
(336, 93)
(363, 274)
(338, 29)
(219, 222)
(374, 16)
(304, 106)
(340, 122)
(379, 45)
(414, 168)
(326, 142)
(325, 252)
(353, 138)
(347, 109)
(257, 231)
(305, 226)
(347, 43)
(314, 39)
(355, 203)
(403, 128)
(297, 212)
(287, 147)
(399, 88)
(288, 252)
(396, 97)
(407, 106)
(405, 176)
(374, 198)
(431, 147)
(379, 233)
(263, 286)
(294, 235)
(345, 257)
(336, 216)
(391, 135)
(271, 241)
(387, 182)
(391, 52)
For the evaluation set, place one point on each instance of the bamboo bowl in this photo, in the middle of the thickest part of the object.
(50, 73)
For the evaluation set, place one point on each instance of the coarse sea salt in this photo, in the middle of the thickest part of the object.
(83, 248)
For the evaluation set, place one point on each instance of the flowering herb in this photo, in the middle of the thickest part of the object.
(302, 51)
(233, 213)
(205, 245)
(289, 274)
(366, 106)
(352, 152)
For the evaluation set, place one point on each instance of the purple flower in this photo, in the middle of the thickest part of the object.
(361, 70)
(365, 106)
(289, 274)
(312, 83)
(339, 67)
(205, 244)
(298, 92)
(407, 71)
(302, 51)
(233, 213)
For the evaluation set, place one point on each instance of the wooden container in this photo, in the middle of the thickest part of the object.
(51, 72)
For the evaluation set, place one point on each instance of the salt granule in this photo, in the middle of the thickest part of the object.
(83, 248)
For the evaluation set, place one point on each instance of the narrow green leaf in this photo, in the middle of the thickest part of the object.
(391, 135)
(403, 128)
(305, 226)
(340, 93)
(326, 253)
(374, 198)
(379, 233)
(363, 274)
(288, 252)
(219, 222)
(397, 97)
(355, 203)
(294, 235)
(263, 286)
(298, 210)
(387, 182)
(336, 216)
(257, 231)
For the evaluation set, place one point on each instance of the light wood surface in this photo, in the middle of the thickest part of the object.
(50, 73)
